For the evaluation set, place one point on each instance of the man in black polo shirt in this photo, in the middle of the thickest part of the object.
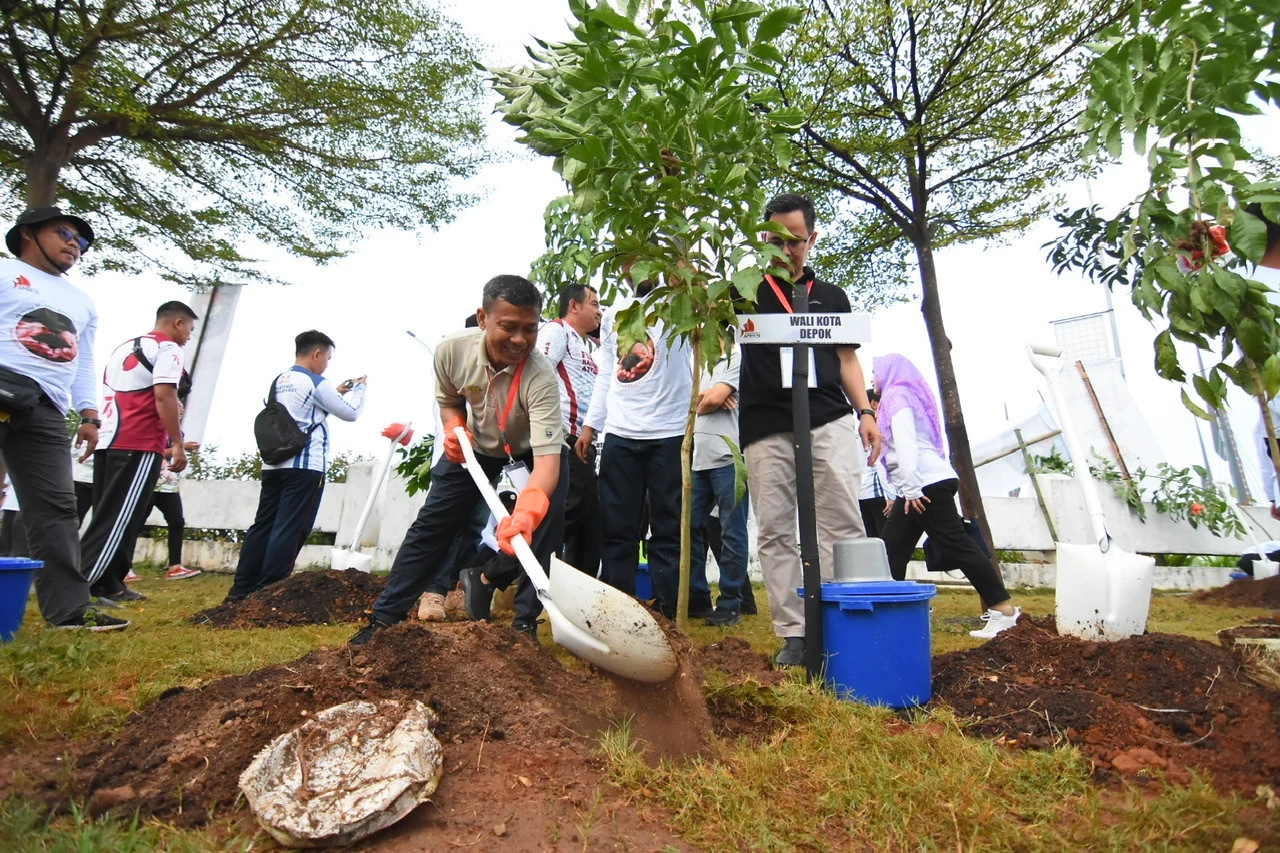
(840, 417)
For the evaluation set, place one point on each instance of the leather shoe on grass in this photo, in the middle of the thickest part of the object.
(723, 617)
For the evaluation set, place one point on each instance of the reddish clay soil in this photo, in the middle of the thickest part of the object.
(1243, 593)
(303, 598)
(1158, 701)
(521, 769)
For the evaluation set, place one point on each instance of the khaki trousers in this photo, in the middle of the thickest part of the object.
(838, 464)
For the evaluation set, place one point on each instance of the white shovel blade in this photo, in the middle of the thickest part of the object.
(1102, 596)
(1265, 568)
(341, 559)
(624, 638)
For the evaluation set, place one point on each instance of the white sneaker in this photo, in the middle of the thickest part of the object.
(996, 622)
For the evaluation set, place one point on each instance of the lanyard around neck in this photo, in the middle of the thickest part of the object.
(782, 297)
(511, 401)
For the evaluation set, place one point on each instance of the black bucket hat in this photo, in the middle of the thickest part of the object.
(37, 215)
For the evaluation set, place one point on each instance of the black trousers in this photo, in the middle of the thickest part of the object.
(84, 499)
(872, 516)
(170, 506)
(422, 563)
(631, 470)
(123, 484)
(287, 507)
(37, 451)
(582, 514)
(941, 520)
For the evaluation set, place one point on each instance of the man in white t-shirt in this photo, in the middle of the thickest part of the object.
(641, 403)
(567, 345)
(291, 490)
(47, 327)
(139, 421)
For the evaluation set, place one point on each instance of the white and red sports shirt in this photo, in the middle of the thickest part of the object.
(129, 417)
(571, 355)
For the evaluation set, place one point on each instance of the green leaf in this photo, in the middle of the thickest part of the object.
(1193, 408)
(1253, 339)
(777, 22)
(1167, 358)
(1271, 375)
(739, 469)
(1248, 236)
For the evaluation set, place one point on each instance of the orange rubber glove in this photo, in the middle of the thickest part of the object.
(452, 448)
(397, 432)
(531, 508)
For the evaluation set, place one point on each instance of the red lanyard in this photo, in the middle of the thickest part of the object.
(511, 401)
(782, 297)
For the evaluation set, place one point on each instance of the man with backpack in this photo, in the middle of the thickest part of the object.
(139, 418)
(293, 439)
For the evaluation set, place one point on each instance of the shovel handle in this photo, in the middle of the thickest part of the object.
(1045, 349)
(524, 553)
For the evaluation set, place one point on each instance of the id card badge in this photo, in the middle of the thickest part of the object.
(518, 474)
(786, 357)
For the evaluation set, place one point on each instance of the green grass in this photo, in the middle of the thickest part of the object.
(834, 776)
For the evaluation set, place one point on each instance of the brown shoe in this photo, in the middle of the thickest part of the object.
(454, 605)
(431, 607)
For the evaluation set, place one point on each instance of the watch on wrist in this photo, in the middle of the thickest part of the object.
(91, 421)
(870, 412)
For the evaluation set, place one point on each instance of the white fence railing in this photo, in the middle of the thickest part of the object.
(1016, 523)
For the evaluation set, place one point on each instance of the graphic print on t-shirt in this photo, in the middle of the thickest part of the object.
(48, 334)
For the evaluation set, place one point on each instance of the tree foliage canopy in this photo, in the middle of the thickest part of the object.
(194, 125)
(1173, 77)
(935, 122)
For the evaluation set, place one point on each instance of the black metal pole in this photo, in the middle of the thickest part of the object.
(802, 438)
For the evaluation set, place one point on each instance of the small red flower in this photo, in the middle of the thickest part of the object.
(1197, 509)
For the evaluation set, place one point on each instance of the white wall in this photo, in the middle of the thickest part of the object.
(1016, 523)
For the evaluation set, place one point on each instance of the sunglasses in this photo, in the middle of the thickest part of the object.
(70, 235)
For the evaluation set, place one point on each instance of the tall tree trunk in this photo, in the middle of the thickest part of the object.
(42, 176)
(952, 414)
(686, 486)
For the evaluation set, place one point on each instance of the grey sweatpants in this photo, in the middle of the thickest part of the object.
(838, 464)
(37, 450)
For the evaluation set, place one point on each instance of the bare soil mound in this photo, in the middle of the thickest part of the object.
(1158, 701)
(303, 598)
(521, 771)
(1245, 592)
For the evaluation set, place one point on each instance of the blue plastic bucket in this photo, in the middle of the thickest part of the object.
(15, 584)
(644, 583)
(877, 646)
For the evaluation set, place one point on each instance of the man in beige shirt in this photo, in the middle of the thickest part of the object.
(492, 381)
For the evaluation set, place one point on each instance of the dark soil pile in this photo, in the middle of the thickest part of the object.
(1158, 701)
(517, 727)
(303, 598)
(1245, 592)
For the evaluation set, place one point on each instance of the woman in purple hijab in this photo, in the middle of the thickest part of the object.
(926, 484)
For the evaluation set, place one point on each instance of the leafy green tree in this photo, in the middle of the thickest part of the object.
(185, 127)
(934, 123)
(660, 119)
(1171, 78)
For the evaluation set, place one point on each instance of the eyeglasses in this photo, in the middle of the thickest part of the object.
(794, 243)
(70, 235)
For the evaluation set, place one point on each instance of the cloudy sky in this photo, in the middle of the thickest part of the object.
(996, 298)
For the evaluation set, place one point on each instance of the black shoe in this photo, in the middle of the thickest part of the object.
(92, 620)
(366, 633)
(529, 629)
(700, 611)
(749, 605)
(723, 617)
(477, 595)
(124, 595)
(791, 653)
(104, 601)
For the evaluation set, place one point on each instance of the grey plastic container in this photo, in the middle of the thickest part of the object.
(858, 560)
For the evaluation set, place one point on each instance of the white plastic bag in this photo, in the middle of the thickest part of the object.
(352, 770)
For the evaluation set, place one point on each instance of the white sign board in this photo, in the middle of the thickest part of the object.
(204, 352)
(804, 328)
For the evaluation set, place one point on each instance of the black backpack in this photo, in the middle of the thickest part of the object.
(277, 433)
